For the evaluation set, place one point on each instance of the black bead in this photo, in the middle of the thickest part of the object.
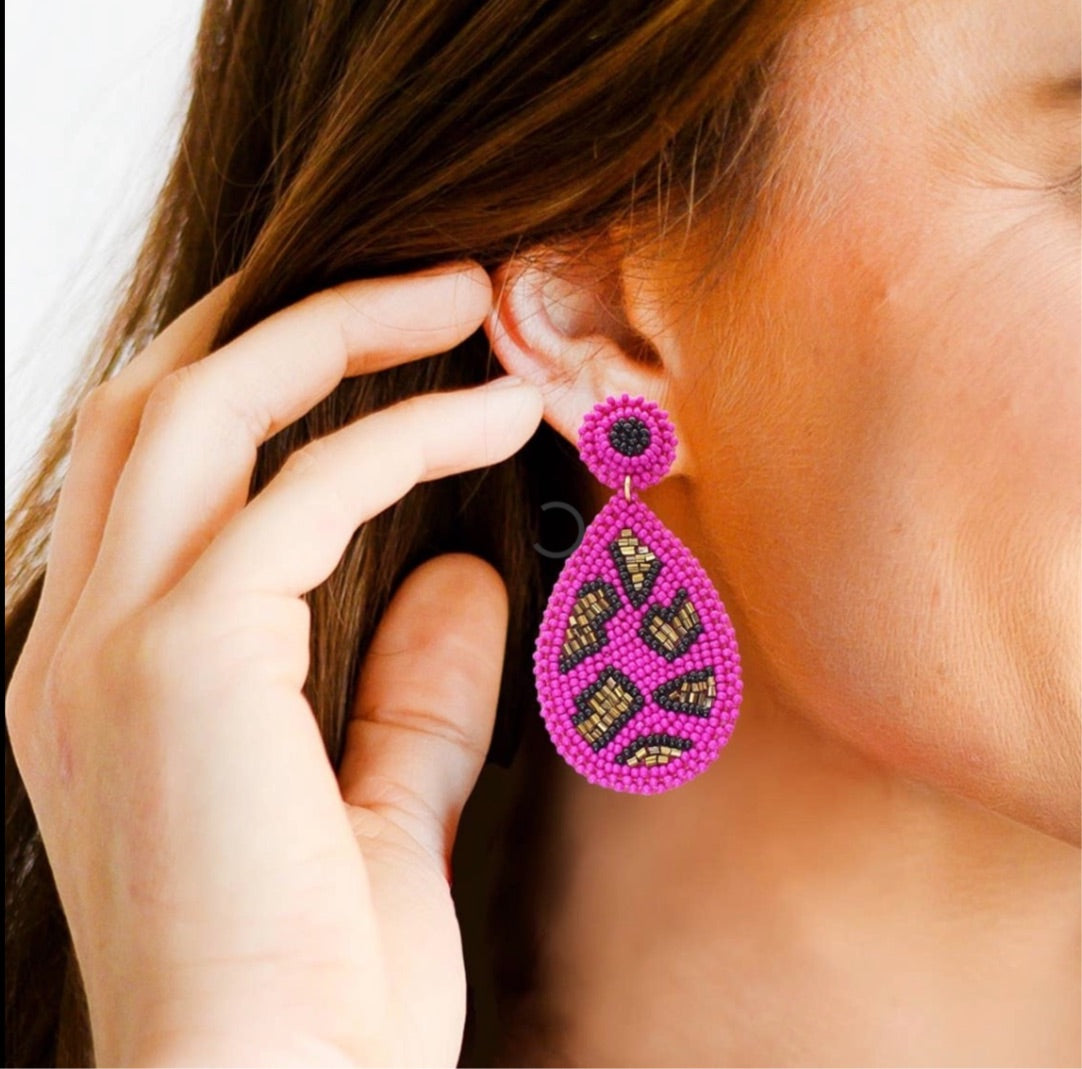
(630, 437)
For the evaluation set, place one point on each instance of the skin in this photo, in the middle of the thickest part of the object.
(260, 911)
(877, 403)
(877, 399)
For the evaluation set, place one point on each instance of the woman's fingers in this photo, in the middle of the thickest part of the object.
(292, 534)
(191, 463)
(427, 698)
(106, 428)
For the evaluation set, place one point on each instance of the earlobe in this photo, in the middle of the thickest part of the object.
(559, 322)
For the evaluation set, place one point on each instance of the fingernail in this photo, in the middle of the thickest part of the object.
(505, 382)
(455, 267)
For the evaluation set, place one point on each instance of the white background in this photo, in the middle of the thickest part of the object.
(93, 93)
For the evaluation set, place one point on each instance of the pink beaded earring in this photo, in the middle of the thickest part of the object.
(637, 667)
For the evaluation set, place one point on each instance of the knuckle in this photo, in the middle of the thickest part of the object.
(19, 711)
(418, 720)
(162, 655)
(97, 409)
(233, 644)
(197, 391)
(400, 817)
(46, 691)
(95, 672)
(332, 308)
(176, 392)
(306, 461)
(126, 665)
(69, 679)
(245, 418)
(150, 651)
(312, 474)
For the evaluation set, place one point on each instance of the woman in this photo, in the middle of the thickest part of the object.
(839, 243)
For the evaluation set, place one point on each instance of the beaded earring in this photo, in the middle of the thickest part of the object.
(636, 663)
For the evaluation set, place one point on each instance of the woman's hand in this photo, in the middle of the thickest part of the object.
(230, 900)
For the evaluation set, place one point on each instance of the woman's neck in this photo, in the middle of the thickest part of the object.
(796, 905)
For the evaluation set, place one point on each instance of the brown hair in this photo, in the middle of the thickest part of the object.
(328, 140)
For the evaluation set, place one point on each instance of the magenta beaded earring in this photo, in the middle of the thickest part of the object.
(637, 667)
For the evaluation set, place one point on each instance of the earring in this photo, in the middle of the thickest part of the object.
(636, 663)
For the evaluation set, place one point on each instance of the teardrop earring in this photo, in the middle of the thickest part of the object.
(636, 663)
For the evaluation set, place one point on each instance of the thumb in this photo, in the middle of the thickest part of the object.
(426, 700)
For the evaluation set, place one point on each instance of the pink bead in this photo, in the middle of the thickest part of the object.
(611, 467)
(654, 661)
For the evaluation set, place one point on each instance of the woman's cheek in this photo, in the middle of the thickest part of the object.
(897, 510)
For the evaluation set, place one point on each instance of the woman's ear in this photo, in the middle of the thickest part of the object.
(563, 322)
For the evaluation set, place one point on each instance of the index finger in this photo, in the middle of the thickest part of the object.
(265, 378)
